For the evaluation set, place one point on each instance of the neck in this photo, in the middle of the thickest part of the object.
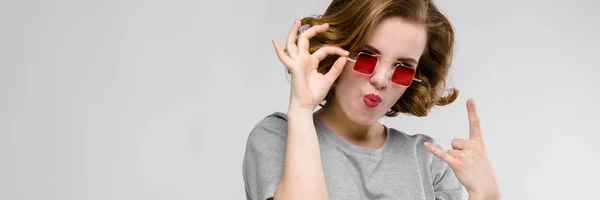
(370, 136)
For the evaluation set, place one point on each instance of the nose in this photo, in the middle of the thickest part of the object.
(382, 75)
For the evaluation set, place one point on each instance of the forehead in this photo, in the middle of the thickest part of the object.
(397, 38)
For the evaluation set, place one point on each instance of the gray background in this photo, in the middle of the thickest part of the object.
(155, 99)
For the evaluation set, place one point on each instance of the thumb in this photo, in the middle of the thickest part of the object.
(336, 69)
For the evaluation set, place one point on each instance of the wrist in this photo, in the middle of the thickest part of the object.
(295, 109)
(298, 107)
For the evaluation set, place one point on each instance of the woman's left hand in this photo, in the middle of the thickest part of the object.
(468, 158)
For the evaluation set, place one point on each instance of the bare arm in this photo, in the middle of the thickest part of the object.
(303, 176)
(302, 171)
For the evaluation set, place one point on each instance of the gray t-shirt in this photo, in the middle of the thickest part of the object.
(401, 169)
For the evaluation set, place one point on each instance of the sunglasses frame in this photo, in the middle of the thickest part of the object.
(378, 57)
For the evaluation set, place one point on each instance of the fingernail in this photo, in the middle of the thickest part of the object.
(427, 144)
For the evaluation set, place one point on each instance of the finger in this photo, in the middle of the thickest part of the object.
(455, 153)
(304, 38)
(290, 45)
(452, 161)
(336, 69)
(474, 123)
(280, 54)
(326, 50)
(459, 144)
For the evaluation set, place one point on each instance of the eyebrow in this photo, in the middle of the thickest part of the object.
(402, 60)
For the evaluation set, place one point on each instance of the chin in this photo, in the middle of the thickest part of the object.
(361, 116)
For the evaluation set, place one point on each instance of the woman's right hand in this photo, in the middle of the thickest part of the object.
(309, 87)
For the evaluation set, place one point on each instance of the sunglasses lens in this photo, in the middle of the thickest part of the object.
(365, 64)
(403, 76)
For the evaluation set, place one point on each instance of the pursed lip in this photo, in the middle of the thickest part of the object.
(373, 97)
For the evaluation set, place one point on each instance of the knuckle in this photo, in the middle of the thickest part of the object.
(304, 28)
(326, 49)
(460, 166)
(291, 41)
(446, 156)
(452, 153)
(472, 145)
(475, 122)
(438, 153)
(292, 34)
(302, 35)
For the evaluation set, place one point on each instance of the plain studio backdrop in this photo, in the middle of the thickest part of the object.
(155, 99)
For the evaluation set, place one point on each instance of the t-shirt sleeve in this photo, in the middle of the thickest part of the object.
(445, 184)
(264, 156)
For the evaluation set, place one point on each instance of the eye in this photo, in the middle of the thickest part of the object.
(367, 52)
(400, 64)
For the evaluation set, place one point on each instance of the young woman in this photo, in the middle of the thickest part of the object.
(365, 59)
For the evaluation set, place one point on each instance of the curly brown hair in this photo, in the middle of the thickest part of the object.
(352, 21)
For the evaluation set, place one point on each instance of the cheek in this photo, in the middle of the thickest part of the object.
(348, 90)
(351, 79)
(396, 92)
(359, 78)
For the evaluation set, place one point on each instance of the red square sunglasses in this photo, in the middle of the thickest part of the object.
(403, 74)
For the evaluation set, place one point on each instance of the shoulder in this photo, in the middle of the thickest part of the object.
(410, 138)
(264, 156)
(273, 126)
(414, 143)
(276, 118)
